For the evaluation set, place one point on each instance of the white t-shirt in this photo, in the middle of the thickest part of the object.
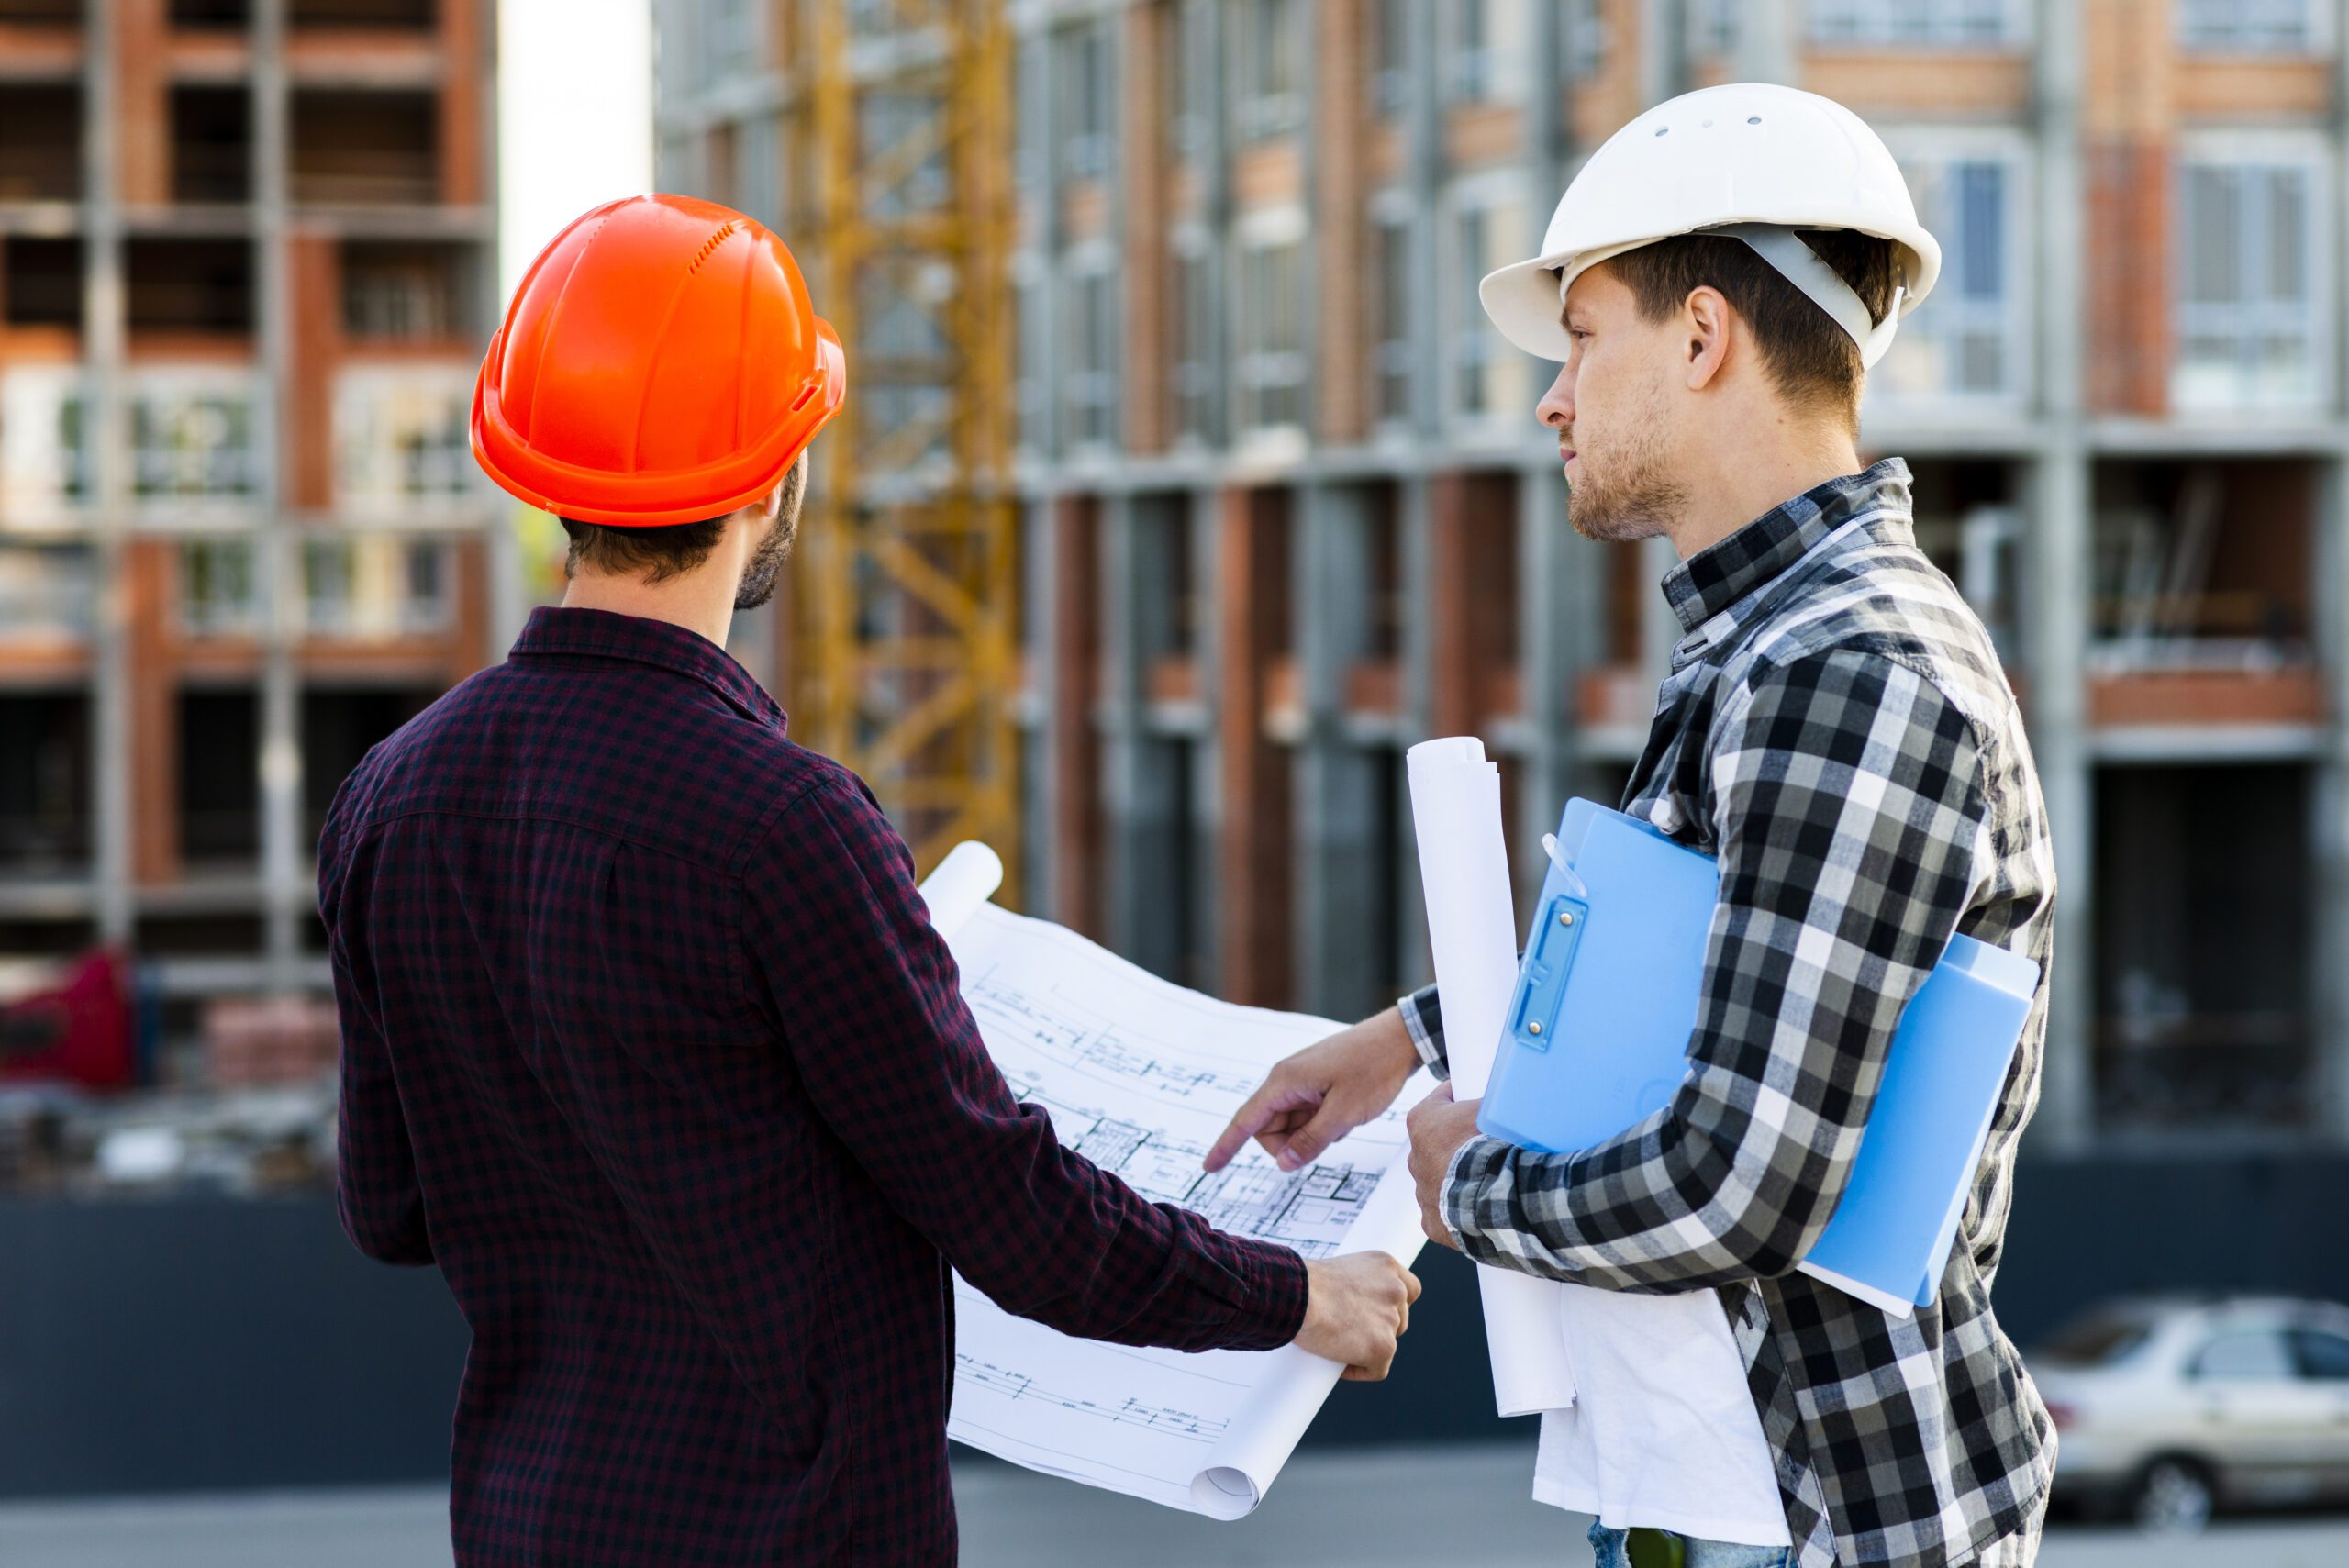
(1663, 1431)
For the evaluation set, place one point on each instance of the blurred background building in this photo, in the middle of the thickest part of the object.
(245, 272)
(1284, 508)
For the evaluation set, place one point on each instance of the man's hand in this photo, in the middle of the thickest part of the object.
(1359, 1307)
(1439, 1126)
(1317, 1096)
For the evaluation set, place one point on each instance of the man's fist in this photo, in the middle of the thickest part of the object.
(1360, 1306)
(1317, 1096)
(1439, 1126)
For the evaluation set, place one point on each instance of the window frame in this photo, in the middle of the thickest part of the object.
(2312, 153)
(1940, 149)
(1253, 366)
(1873, 29)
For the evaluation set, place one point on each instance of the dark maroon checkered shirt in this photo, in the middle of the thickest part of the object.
(649, 1044)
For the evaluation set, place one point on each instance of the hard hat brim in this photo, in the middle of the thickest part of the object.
(658, 500)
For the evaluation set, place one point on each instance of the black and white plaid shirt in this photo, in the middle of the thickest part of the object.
(1837, 728)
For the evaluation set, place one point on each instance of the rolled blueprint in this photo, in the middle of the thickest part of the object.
(1471, 926)
(965, 879)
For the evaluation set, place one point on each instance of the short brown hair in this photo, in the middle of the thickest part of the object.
(1814, 363)
(655, 554)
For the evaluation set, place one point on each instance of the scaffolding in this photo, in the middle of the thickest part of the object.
(903, 624)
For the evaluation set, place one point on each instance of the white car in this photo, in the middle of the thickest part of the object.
(2169, 1406)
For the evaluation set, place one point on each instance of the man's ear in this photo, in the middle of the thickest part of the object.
(1705, 332)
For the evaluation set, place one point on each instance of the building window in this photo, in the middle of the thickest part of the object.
(1583, 36)
(219, 595)
(1712, 29)
(400, 436)
(733, 38)
(1469, 50)
(2248, 320)
(1390, 56)
(1388, 301)
(1909, 24)
(1090, 353)
(1267, 68)
(44, 443)
(375, 586)
(1967, 342)
(1483, 376)
(1269, 370)
(2247, 26)
(1082, 78)
(48, 591)
(1028, 297)
(195, 436)
(1191, 351)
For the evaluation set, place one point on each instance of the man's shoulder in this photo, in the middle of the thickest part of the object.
(1885, 602)
(698, 780)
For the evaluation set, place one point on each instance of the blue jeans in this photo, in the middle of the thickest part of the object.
(1608, 1546)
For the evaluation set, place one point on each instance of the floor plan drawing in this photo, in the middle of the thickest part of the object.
(1138, 1075)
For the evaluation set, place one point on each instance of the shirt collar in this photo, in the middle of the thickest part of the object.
(1709, 589)
(553, 630)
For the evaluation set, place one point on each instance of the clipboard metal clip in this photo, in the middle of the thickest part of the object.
(1550, 955)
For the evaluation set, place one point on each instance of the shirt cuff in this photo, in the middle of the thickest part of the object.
(1276, 1291)
(1424, 1023)
(1477, 1210)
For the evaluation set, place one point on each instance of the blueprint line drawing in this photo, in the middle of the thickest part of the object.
(1138, 1075)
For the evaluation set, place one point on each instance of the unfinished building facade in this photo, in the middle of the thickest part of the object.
(246, 260)
(1287, 509)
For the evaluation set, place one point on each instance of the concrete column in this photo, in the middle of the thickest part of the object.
(1415, 497)
(1335, 791)
(1425, 159)
(1768, 46)
(2057, 583)
(1206, 510)
(2331, 927)
(285, 859)
(105, 431)
(1130, 815)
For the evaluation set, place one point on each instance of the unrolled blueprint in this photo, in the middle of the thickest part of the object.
(1138, 1075)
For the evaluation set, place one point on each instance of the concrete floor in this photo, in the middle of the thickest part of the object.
(1374, 1509)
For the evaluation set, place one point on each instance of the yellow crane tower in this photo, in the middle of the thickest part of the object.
(903, 655)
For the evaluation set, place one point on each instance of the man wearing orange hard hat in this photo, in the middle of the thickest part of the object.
(648, 1042)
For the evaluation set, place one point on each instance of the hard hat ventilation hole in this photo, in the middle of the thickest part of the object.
(725, 232)
(1662, 130)
(1753, 120)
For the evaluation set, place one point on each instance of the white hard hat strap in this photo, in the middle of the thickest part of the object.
(1801, 266)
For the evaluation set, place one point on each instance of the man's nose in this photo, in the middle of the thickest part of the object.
(1556, 408)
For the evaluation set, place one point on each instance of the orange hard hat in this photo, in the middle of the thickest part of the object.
(659, 365)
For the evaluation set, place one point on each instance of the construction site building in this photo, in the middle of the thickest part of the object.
(246, 272)
(1285, 509)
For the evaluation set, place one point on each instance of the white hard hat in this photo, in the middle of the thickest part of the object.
(1752, 159)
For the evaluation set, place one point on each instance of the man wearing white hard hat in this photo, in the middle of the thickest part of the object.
(1837, 728)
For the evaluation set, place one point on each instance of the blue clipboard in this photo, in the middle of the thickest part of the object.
(1597, 1032)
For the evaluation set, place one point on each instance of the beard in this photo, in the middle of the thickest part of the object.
(1633, 496)
(759, 572)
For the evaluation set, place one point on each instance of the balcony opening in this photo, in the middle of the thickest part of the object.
(365, 148)
(339, 724)
(1969, 523)
(2204, 1003)
(404, 13)
(44, 784)
(212, 13)
(403, 292)
(200, 936)
(220, 793)
(2203, 564)
(212, 150)
(42, 282)
(40, 143)
(190, 286)
(48, 593)
(40, 13)
(2203, 608)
